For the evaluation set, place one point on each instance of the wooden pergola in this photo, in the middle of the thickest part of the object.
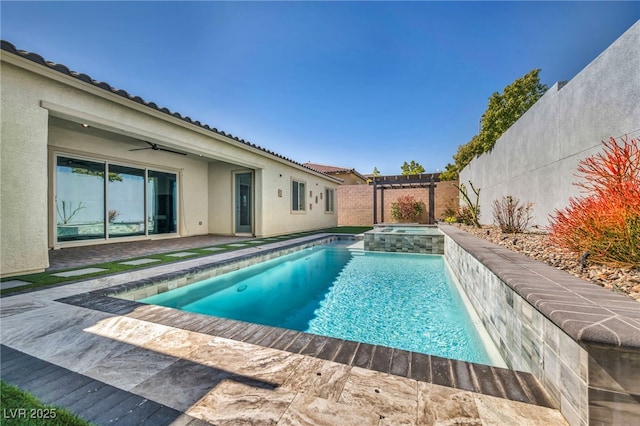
(426, 180)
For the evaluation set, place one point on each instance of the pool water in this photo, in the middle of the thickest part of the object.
(404, 301)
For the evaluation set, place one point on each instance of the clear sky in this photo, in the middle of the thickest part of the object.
(353, 84)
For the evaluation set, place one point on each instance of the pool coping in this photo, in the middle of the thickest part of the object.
(478, 378)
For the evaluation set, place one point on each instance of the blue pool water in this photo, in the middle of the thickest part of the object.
(404, 301)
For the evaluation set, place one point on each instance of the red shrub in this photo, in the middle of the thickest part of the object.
(606, 222)
(407, 209)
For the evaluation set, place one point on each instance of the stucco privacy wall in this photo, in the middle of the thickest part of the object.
(42, 115)
(536, 159)
(355, 202)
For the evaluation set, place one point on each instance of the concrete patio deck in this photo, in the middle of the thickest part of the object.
(151, 365)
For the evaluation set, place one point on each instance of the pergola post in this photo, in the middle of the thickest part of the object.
(404, 181)
(382, 204)
(432, 202)
(375, 202)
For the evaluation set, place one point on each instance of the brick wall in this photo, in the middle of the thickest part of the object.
(355, 202)
(355, 205)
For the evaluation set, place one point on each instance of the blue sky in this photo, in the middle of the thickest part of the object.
(353, 84)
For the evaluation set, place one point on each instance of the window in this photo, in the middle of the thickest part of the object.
(298, 196)
(329, 200)
(100, 200)
(79, 201)
(125, 212)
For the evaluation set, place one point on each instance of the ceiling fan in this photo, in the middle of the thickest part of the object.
(155, 147)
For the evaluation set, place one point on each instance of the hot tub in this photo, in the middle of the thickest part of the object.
(405, 238)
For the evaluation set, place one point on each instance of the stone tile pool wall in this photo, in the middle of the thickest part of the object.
(394, 240)
(581, 341)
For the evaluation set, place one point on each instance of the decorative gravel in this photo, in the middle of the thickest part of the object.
(537, 246)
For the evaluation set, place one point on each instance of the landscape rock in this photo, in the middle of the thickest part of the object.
(536, 245)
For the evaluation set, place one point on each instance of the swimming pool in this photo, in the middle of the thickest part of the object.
(404, 301)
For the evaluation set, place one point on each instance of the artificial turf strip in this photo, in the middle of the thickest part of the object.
(19, 408)
(43, 279)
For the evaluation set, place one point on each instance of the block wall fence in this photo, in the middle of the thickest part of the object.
(536, 159)
(355, 202)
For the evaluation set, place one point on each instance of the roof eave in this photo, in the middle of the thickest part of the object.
(35, 63)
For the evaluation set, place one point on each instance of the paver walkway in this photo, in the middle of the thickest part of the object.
(127, 368)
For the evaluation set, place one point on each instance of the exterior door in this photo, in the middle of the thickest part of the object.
(244, 203)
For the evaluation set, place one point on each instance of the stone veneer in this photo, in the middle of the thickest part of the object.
(581, 341)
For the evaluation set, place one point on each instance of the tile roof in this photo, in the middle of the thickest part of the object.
(332, 169)
(34, 57)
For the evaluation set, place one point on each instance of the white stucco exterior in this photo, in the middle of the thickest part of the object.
(45, 114)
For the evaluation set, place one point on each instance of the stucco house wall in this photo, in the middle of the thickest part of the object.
(536, 159)
(47, 113)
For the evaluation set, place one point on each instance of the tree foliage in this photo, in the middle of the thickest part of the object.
(412, 168)
(375, 172)
(113, 177)
(503, 110)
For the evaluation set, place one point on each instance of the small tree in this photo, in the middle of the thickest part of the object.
(406, 209)
(510, 215)
(412, 168)
(375, 172)
(503, 110)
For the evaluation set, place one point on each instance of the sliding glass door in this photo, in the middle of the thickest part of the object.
(125, 192)
(102, 200)
(79, 199)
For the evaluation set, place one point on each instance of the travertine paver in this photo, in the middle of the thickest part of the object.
(200, 375)
(391, 397)
(220, 380)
